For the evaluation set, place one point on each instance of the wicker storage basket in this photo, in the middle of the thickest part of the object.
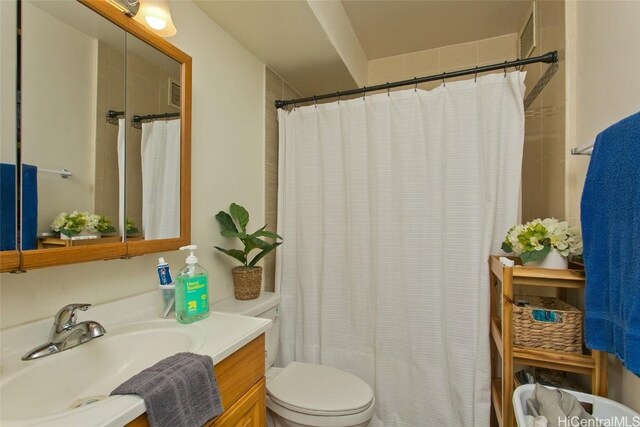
(247, 282)
(547, 323)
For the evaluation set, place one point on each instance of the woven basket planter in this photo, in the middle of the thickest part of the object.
(549, 324)
(247, 282)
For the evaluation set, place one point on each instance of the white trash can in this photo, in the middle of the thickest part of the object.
(615, 413)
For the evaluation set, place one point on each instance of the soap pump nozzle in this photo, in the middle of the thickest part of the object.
(191, 259)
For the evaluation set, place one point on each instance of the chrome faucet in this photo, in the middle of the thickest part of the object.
(66, 333)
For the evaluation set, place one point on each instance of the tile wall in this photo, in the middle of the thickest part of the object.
(275, 88)
(543, 167)
(438, 60)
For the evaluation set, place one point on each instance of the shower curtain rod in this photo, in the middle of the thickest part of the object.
(138, 119)
(547, 58)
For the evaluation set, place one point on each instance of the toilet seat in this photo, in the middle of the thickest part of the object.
(319, 390)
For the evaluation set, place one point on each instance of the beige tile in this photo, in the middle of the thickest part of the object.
(429, 85)
(534, 72)
(553, 94)
(498, 49)
(385, 70)
(553, 127)
(269, 271)
(271, 141)
(420, 64)
(271, 219)
(532, 152)
(273, 87)
(552, 25)
(532, 201)
(458, 56)
(288, 92)
(553, 188)
(271, 187)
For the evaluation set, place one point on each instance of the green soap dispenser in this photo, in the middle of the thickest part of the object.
(192, 299)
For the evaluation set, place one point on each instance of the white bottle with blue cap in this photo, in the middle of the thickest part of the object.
(192, 289)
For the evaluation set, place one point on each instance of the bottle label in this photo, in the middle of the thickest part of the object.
(164, 275)
(196, 296)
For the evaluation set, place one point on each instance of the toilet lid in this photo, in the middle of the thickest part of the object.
(319, 390)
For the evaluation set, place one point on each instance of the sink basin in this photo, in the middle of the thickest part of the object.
(85, 375)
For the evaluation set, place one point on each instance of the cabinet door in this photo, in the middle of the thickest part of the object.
(248, 411)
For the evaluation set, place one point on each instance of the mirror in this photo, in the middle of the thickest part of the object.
(153, 143)
(106, 131)
(66, 135)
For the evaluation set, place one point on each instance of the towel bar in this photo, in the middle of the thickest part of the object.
(583, 150)
(64, 173)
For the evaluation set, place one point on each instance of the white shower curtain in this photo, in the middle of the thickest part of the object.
(389, 208)
(160, 151)
(122, 130)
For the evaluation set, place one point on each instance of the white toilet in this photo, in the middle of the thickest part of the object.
(304, 394)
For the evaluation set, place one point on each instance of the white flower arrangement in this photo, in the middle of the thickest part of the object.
(535, 239)
(77, 222)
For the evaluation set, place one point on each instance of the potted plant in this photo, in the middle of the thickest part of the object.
(543, 243)
(81, 223)
(247, 279)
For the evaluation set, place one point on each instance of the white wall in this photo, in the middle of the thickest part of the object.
(603, 39)
(227, 166)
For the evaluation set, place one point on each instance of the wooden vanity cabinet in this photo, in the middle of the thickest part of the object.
(242, 388)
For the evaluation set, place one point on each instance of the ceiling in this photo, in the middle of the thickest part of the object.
(288, 37)
(388, 28)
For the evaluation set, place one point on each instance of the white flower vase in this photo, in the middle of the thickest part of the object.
(552, 260)
(83, 235)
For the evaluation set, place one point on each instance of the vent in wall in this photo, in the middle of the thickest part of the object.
(174, 94)
(527, 36)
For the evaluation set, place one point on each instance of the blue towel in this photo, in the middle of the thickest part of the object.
(610, 214)
(8, 207)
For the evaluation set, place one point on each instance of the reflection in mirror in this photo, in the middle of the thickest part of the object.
(8, 11)
(153, 143)
(73, 73)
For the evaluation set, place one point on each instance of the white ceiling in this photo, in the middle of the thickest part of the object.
(288, 37)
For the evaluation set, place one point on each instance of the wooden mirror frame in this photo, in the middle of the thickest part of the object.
(39, 258)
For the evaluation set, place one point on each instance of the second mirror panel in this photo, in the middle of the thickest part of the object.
(73, 74)
(152, 143)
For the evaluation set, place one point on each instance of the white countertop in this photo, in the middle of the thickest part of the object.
(223, 335)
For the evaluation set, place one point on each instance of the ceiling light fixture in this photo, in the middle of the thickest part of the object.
(155, 15)
(128, 7)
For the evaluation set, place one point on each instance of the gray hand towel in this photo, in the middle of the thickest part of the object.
(557, 406)
(179, 391)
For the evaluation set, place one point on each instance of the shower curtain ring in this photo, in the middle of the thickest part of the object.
(338, 95)
(364, 91)
(475, 79)
(444, 76)
(505, 69)
(315, 102)
(388, 89)
(294, 103)
(415, 83)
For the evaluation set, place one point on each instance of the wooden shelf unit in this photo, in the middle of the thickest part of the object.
(501, 334)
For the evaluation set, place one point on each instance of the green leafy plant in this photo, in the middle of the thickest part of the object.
(234, 224)
(77, 222)
(104, 225)
(131, 227)
(534, 240)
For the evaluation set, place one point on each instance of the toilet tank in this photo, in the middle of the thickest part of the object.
(266, 306)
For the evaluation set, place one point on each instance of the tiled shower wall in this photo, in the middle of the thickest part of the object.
(275, 88)
(446, 58)
(543, 165)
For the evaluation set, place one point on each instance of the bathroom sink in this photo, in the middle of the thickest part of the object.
(85, 375)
